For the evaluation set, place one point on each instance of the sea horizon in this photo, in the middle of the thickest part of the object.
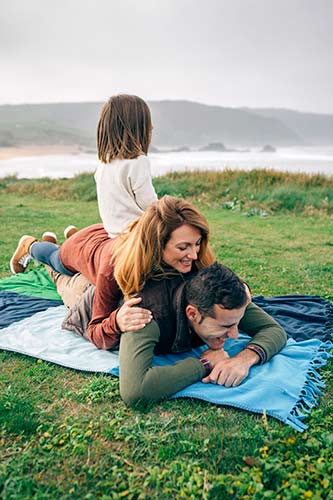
(309, 160)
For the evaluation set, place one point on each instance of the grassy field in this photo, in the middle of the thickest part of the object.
(68, 435)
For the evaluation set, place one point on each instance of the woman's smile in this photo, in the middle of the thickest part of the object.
(182, 248)
(186, 263)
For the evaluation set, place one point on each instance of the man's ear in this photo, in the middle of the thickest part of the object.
(192, 313)
(248, 293)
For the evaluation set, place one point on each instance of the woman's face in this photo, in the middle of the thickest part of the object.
(182, 248)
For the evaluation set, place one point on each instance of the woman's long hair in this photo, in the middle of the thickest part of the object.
(124, 129)
(138, 253)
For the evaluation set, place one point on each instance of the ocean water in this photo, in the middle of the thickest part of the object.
(307, 160)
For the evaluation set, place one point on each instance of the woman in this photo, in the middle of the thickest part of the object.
(169, 239)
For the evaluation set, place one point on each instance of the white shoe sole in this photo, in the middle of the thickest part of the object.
(13, 258)
(50, 234)
(69, 228)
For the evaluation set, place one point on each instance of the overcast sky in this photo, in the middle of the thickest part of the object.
(275, 53)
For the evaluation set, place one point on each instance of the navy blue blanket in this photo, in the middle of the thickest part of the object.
(303, 317)
(14, 306)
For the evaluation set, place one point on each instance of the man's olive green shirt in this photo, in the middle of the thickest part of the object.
(140, 381)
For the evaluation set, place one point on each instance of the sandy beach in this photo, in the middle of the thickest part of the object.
(37, 150)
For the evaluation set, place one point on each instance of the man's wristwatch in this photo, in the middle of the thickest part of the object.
(207, 364)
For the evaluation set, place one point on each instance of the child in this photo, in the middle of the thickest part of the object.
(123, 178)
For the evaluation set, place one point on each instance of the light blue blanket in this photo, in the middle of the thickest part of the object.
(286, 388)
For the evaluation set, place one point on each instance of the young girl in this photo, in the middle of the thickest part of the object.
(123, 178)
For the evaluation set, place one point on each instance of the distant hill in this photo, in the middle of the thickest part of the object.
(64, 123)
(193, 124)
(315, 129)
(176, 124)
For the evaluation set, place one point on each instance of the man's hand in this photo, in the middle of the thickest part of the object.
(230, 372)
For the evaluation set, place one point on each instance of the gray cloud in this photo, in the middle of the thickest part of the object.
(230, 53)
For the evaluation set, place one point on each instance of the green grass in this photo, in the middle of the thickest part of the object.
(256, 191)
(68, 435)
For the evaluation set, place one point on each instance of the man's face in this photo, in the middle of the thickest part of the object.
(215, 331)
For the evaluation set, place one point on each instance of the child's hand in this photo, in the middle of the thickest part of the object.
(131, 318)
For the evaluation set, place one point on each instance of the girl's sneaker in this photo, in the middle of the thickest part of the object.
(50, 237)
(69, 231)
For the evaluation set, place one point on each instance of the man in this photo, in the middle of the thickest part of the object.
(206, 310)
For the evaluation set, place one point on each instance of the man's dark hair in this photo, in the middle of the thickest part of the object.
(215, 284)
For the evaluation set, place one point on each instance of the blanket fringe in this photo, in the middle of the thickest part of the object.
(312, 387)
(329, 321)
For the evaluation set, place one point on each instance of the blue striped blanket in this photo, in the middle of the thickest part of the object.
(287, 387)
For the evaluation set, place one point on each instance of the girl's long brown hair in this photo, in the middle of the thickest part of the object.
(138, 253)
(124, 128)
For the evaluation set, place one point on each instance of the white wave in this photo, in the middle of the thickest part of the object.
(306, 160)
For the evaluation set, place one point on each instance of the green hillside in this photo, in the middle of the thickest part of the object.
(176, 124)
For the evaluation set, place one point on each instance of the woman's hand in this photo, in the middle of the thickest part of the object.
(130, 318)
